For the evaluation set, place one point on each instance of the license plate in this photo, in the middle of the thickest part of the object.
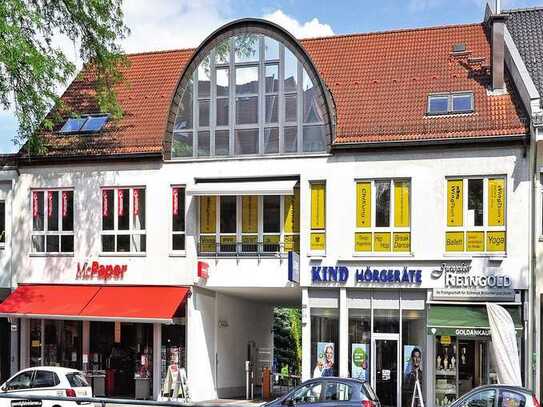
(25, 403)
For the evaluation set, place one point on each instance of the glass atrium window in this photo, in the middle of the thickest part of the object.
(450, 103)
(250, 95)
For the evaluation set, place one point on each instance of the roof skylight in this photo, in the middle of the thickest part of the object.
(85, 124)
(450, 103)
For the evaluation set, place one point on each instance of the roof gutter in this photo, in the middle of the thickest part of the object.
(519, 138)
(99, 158)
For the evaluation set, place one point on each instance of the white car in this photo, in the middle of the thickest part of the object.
(45, 381)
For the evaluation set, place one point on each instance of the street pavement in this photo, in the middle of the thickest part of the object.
(209, 403)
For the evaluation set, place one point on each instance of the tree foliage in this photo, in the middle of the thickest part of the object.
(287, 339)
(32, 68)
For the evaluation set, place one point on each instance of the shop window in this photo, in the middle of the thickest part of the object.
(413, 357)
(35, 342)
(317, 240)
(52, 221)
(250, 224)
(2, 223)
(252, 101)
(476, 215)
(178, 218)
(123, 220)
(62, 343)
(324, 341)
(383, 216)
(359, 343)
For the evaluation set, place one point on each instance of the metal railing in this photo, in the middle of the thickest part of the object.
(243, 249)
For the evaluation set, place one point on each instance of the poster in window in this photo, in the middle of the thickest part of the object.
(318, 241)
(402, 242)
(318, 203)
(325, 365)
(136, 203)
(360, 361)
(292, 243)
(120, 206)
(208, 220)
(292, 212)
(50, 204)
(35, 205)
(249, 214)
(362, 242)
(381, 242)
(363, 204)
(495, 241)
(105, 206)
(207, 244)
(454, 241)
(412, 370)
(175, 201)
(496, 202)
(455, 207)
(401, 204)
(64, 204)
(475, 241)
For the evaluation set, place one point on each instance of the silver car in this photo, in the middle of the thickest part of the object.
(497, 395)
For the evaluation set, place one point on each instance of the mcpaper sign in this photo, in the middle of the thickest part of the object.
(96, 271)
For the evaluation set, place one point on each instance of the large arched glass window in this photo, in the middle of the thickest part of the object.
(250, 96)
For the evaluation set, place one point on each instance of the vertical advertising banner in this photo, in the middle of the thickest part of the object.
(412, 370)
(208, 207)
(136, 203)
(455, 210)
(401, 204)
(50, 203)
(64, 204)
(363, 204)
(318, 210)
(325, 360)
(175, 201)
(120, 205)
(496, 202)
(360, 361)
(292, 212)
(105, 206)
(249, 214)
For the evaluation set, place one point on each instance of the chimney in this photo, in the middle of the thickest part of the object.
(497, 27)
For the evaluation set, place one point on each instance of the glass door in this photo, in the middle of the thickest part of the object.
(385, 368)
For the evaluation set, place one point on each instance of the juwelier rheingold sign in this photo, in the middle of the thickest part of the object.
(459, 282)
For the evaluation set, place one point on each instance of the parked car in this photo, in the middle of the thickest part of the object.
(45, 381)
(324, 390)
(497, 395)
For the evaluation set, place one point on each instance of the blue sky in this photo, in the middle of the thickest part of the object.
(175, 24)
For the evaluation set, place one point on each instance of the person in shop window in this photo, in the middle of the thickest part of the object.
(328, 369)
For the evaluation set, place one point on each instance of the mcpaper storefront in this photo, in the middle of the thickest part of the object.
(124, 337)
(394, 324)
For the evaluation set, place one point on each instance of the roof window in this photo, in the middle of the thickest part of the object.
(450, 103)
(85, 124)
(459, 47)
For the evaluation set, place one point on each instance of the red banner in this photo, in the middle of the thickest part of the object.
(50, 203)
(35, 208)
(175, 201)
(64, 204)
(105, 209)
(136, 201)
(120, 207)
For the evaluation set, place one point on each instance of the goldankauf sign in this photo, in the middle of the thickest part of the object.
(366, 274)
(461, 283)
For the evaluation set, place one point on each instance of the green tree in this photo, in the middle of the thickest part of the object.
(287, 338)
(32, 68)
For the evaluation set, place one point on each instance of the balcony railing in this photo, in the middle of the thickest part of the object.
(242, 249)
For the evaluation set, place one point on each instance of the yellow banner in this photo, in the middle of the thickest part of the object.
(455, 211)
(475, 241)
(496, 202)
(401, 204)
(454, 241)
(228, 239)
(495, 241)
(292, 212)
(318, 209)
(363, 205)
(249, 214)
(362, 242)
(402, 242)
(208, 207)
(318, 241)
(381, 242)
(207, 244)
(271, 239)
(292, 243)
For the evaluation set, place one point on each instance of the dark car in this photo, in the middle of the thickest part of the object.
(497, 395)
(328, 392)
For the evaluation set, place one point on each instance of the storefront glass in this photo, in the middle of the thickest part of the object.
(324, 342)
(173, 350)
(359, 343)
(61, 344)
(35, 342)
(413, 339)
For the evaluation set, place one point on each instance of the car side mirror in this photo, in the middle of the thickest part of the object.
(3, 388)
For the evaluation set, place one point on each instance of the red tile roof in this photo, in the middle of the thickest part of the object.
(379, 82)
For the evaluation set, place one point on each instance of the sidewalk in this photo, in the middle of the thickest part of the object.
(209, 403)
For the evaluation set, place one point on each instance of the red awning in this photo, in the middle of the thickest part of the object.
(130, 303)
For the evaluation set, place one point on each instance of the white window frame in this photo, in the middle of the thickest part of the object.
(46, 232)
(450, 97)
(384, 229)
(115, 231)
(183, 188)
(3, 244)
(465, 228)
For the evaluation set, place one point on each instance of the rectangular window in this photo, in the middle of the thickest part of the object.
(383, 216)
(476, 210)
(318, 217)
(123, 220)
(52, 221)
(249, 224)
(2, 223)
(450, 103)
(178, 218)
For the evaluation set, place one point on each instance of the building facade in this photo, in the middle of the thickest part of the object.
(378, 181)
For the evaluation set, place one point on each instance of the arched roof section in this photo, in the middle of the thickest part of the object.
(205, 132)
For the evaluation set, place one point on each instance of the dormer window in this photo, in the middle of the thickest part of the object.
(84, 124)
(450, 103)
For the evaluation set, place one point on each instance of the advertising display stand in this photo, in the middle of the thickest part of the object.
(175, 387)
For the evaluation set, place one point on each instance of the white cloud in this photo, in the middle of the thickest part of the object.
(307, 29)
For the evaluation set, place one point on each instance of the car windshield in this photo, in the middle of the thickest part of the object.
(77, 379)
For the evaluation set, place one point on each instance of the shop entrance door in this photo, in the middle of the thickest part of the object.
(385, 355)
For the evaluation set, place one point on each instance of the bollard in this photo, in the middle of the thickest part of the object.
(247, 379)
(266, 384)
